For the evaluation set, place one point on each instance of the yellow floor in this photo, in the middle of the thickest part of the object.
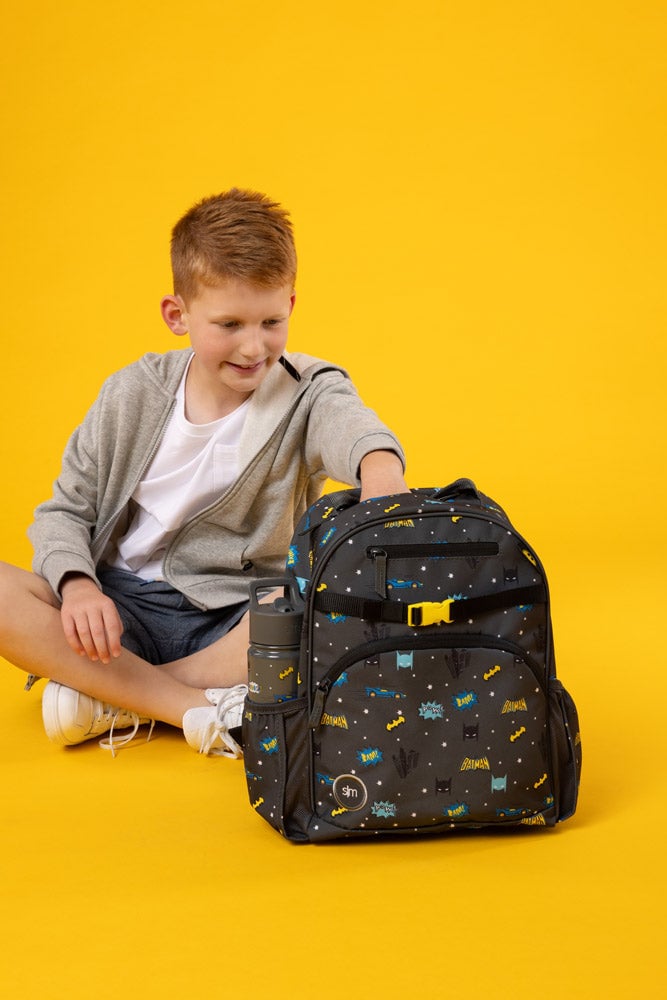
(478, 191)
(150, 875)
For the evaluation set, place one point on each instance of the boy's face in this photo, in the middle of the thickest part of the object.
(238, 332)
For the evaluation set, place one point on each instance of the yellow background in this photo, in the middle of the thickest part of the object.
(478, 191)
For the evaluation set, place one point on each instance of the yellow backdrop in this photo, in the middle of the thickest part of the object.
(478, 191)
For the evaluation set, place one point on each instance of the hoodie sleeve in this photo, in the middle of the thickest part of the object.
(62, 528)
(342, 429)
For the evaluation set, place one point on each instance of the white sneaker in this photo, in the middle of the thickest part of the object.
(207, 729)
(71, 717)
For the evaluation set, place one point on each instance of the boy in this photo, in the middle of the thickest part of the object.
(183, 483)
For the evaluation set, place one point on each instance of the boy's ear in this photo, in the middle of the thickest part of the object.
(292, 301)
(174, 314)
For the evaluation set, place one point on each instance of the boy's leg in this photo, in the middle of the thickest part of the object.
(32, 638)
(223, 664)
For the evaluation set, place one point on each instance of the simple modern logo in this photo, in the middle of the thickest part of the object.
(350, 792)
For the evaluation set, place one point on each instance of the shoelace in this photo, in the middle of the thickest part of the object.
(217, 728)
(113, 742)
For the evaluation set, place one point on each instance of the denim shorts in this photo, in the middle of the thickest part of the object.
(159, 623)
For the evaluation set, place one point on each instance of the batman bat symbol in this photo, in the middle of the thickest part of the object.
(395, 722)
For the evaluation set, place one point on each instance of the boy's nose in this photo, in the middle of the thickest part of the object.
(252, 346)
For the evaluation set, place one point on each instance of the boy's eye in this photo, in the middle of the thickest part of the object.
(230, 324)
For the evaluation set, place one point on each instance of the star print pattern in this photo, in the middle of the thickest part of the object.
(398, 727)
(471, 750)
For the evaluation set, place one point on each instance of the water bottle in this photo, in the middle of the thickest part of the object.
(275, 638)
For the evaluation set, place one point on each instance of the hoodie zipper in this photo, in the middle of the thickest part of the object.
(106, 529)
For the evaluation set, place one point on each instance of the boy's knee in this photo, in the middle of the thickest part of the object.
(6, 577)
(16, 583)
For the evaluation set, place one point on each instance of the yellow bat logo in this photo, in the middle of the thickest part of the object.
(258, 803)
(395, 722)
(457, 518)
(541, 781)
(515, 736)
(285, 673)
(529, 556)
(338, 812)
(489, 673)
(327, 513)
(321, 587)
(388, 510)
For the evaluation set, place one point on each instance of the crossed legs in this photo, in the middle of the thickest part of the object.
(32, 638)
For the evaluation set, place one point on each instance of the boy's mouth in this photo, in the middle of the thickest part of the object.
(246, 369)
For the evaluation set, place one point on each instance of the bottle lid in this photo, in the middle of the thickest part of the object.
(276, 624)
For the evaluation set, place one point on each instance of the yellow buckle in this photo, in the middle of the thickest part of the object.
(433, 612)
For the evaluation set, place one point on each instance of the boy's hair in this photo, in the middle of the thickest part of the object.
(236, 234)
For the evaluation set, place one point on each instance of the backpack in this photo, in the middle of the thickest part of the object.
(427, 697)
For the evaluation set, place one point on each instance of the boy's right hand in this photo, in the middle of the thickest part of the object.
(90, 620)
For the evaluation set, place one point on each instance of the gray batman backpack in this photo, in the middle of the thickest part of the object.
(420, 694)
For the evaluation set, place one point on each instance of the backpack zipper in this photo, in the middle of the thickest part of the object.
(381, 554)
(490, 515)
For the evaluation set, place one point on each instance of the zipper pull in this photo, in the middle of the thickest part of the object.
(379, 557)
(321, 692)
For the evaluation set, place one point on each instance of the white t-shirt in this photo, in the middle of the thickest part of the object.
(192, 467)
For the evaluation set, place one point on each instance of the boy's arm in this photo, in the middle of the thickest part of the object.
(348, 442)
(381, 474)
(61, 536)
(63, 525)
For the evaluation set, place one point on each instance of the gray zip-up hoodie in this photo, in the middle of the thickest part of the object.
(301, 427)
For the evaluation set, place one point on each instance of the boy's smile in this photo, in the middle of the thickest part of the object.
(238, 331)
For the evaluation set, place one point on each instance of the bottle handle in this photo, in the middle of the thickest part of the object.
(291, 599)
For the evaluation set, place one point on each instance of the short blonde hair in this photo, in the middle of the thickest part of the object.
(236, 234)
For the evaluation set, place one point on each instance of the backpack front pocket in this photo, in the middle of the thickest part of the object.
(432, 735)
